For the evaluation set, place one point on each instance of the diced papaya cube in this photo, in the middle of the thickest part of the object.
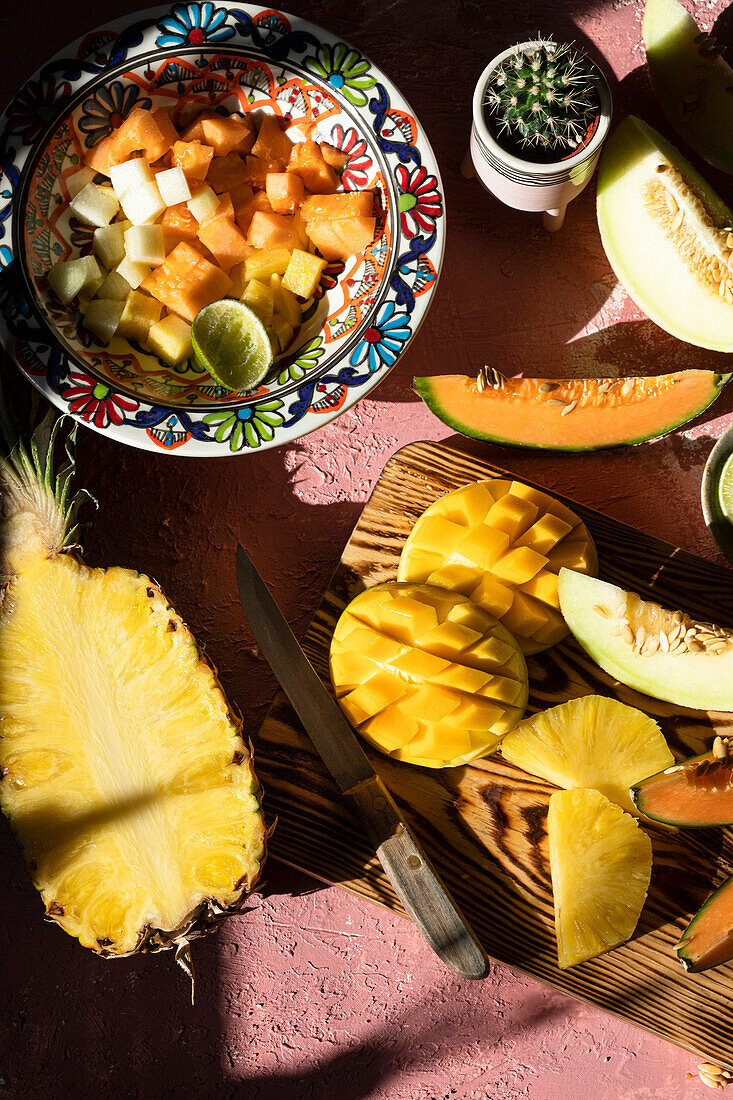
(193, 158)
(341, 237)
(244, 211)
(226, 172)
(186, 282)
(333, 156)
(240, 194)
(149, 132)
(272, 231)
(303, 273)
(285, 191)
(273, 144)
(228, 135)
(318, 176)
(178, 225)
(98, 157)
(344, 205)
(225, 241)
(519, 565)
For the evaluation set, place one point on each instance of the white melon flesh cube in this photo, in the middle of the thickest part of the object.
(142, 205)
(115, 287)
(78, 181)
(102, 316)
(173, 186)
(109, 244)
(95, 205)
(144, 244)
(133, 272)
(203, 203)
(130, 173)
(66, 280)
(170, 340)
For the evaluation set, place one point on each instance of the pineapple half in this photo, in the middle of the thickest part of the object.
(601, 864)
(125, 776)
(590, 742)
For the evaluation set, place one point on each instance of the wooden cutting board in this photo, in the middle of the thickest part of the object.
(483, 825)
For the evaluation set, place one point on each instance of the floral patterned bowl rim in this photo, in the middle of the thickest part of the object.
(316, 392)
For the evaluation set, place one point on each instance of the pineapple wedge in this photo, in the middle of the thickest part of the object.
(126, 777)
(590, 742)
(601, 865)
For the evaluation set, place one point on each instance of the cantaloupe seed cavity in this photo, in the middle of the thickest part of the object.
(687, 222)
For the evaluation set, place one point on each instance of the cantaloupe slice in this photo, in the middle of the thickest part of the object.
(272, 231)
(694, 794)
(225, 241)
(228, 135)
(245, 210)
(272, 145)
(285, 191)
(343, 205)
(226, 172)
(193, 158)
(148, 132)
(186, 282)
(339, 238)
(178, 225)
(319, 177)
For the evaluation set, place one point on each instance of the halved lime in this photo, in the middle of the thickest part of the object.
(231, 342)
(725, 489)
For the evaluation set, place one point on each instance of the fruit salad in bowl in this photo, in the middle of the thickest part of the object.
(252, 159)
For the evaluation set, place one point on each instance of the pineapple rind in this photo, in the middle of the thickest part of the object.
(601, 865)
(593, 742)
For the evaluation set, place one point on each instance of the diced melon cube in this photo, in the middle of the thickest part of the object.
(102, 317)
(78, 181)
(95, 205)
(109, 244)
(170, 340)
(272, 231)
(144, 244)
(225, 241)
(143, 204)
(193, 157)
(285, 191)
(203, 203)
(341, 238)
(286, 304)
(66, 279)
(258, 296)
(139, 313)
(92, 274)
(282, 331)
(130, 173)
(264, 263)
(114, 286)
(133, 271)
(173, 186)
(303, 273)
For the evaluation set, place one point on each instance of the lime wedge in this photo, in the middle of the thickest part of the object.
(231, 342)
(725, 489)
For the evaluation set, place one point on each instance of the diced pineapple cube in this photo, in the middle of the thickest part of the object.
(143, 204)
(203, 203)
(109, 244)
(258, 296)
(78, 181)
(285, 302)
(238, 287)
(263, 263)
(114, 286)
(170, 340)
(133, 271)
(130, 173)
(144, 244)
(173, 186)
(303, 273)
(139, 313)
(102, 317)
(95, 205)
(282, 331)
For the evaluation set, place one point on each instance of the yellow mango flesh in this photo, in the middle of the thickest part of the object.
(502, 544)
(426, 675)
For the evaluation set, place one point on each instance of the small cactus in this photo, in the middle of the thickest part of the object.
(543, 97)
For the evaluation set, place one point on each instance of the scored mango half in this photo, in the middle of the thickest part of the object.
(502, 544)
(425, 675)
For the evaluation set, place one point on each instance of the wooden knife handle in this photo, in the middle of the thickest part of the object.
(425, 898)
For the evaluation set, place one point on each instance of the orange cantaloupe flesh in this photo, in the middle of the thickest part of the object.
(285, 191)
(272, 231)
(708, 939)
(345, 205)
(502, 544)
(195, 130)
(245, 210)
(227, 135)
(226, 173)
(333, 156)
(193, 158)
(272, 145)
(605, 412)
(98, 157)
(697, 793)
(225, 241)
(307, 160)
(339, 238)
(186, 282)
(148, 132)
(178, 225)
(425, 675)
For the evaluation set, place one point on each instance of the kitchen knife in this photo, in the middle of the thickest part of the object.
(425, 899)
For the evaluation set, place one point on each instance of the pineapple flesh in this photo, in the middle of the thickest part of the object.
(601, 865)
(590, 742)
(125, 776)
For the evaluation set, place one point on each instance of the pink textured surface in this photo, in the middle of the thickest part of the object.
(313, 993)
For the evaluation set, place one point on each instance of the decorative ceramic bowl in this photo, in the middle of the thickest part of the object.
(718, 524)
(233, 56)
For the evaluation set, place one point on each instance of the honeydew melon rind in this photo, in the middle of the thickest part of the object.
(639, 244)
(700, 681)
(680, 67)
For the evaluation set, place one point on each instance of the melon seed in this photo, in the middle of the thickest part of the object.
(548, 387)
(602, 611)
(628, 635)
(569, 408)
(695, 647)
(720, 748)
(664, 642)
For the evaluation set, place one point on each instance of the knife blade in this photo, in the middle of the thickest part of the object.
(423, 895)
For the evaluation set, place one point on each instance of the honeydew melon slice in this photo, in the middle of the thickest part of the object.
(692, 81)
(666, 232)
(662, 653)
